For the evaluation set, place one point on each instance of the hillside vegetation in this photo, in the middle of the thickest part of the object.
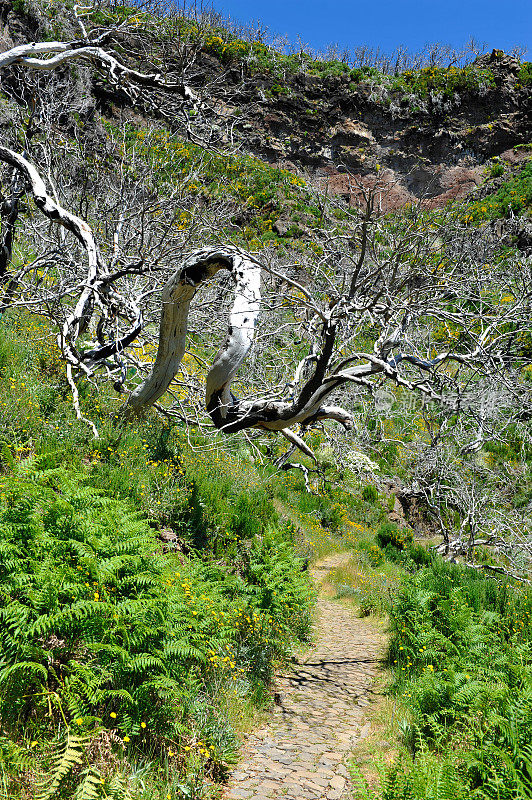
(154, 567)
(149, 585)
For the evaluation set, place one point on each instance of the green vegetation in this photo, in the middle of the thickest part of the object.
(152, 578)
(462, 655)
(260, 58)
(111, 640)
(121, 650)
(447, 81)
(514, 196)
(259, 192)
(107, 638)
(525, 74)
(460, 660)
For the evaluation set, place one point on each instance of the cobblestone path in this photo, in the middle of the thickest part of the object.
(301, 752)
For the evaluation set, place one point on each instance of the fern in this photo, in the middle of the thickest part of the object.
(13, 756)
(23, 671)
(476, 687)
(446, 784)
(97, 624)
(118, 788)
(360, 787)
(90, 786)
(69, 755)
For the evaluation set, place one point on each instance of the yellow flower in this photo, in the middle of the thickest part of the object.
(79, 721)
(142, 724)
(127, 739)
(113, 715)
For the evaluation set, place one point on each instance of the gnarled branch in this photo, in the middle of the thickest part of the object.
(95, 283)
(227, 412)
(58, 53)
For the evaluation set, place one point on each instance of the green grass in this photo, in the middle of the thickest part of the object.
(461, 660)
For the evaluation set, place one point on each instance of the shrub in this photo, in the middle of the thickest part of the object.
(419, 554)
(391, 534)
(524, 76)
(370, 494)
(513, 197)
(496, 169)
(371, 552)
(447, 81)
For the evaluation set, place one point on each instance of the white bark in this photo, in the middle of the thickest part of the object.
(81, 230)
(176, 297)
(95, 279)
(227, 412)
(58, 53)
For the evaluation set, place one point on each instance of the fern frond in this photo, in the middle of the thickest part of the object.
(14, 756)
(118, 788)
(145, 661)
(26, 669)
(68, 755)
(90, 786)
(183, 649)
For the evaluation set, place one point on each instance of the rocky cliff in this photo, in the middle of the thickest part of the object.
(345, 136)
(421, 135)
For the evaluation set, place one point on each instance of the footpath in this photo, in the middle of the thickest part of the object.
(319, 717)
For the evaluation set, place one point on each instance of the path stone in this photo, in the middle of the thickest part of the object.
(323, 699)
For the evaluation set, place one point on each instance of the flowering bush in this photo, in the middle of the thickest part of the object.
(448, 81)
(391, 534)
(513, 197)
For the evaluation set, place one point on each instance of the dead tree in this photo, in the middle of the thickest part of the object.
(405, 302)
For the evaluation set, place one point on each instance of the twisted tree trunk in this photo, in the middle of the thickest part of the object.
(226, 411)
(176, 298)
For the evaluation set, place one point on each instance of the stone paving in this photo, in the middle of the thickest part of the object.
(301, 753)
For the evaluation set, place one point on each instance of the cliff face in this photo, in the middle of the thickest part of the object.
(424, 135)
(431, 148)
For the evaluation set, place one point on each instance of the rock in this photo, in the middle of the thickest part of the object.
(524, 236)
(352, 131)
(167, 535)
(281, 227)
(338, 134)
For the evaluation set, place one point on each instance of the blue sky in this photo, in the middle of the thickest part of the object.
(389, 23)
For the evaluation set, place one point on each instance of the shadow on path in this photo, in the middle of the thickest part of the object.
(322, 701)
